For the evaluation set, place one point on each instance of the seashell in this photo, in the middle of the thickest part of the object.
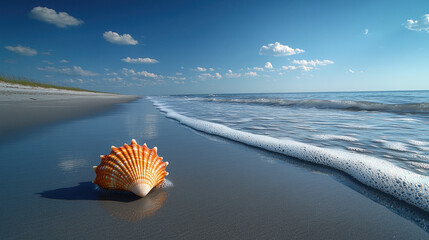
(132, 168)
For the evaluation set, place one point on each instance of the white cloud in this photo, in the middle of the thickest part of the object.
(179, 73)
(201, 69)
(366, 31)
(114, 79)
(79, 71)
(63, 61)
(312, 62)
(307, 65)
(289, 67)
(111, 74)
(230, 74)
(211, 69)
(176, 78)
(251, 74)
(268, 65)
(131, 72)
(139, 60)
(351, 71)
(147, 74)
(277, 49)
(47, 62)
(80, 80)
(124, 39)
(258, 69)
(26, 51)
(76, 70)
(418, 25)
(61, 19)
(305, 68)
(128, 72)
(204, 76)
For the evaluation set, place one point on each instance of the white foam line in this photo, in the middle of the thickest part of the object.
(335, 137)
(382, 175)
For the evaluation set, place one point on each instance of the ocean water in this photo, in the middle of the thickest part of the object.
(379, 138)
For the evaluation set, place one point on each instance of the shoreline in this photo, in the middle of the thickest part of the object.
(222, 189)
(23, 106)
(368, 170)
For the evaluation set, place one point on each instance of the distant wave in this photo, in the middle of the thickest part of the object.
(374, 172)
(416, 108)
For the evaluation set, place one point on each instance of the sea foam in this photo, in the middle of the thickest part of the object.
(335, 137)
(374, 172)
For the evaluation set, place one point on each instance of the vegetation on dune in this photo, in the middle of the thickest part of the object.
(32, 83)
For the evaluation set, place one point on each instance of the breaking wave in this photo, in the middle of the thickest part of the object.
(385, 176)
(413, 108)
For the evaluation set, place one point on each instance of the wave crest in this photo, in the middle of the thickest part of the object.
(415, 108)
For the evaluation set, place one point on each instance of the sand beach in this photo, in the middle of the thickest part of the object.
(24, 106)
(221, 189)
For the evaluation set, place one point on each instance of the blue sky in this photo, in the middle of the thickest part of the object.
(176, 47)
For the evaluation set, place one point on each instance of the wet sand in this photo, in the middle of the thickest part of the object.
(22, 106)
(222, 189)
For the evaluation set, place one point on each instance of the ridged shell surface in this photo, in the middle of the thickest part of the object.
(132, 168)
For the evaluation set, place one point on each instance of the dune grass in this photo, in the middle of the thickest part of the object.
(32, 83)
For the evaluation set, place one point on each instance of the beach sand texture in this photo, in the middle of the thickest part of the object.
(222, 189)
(23, 106)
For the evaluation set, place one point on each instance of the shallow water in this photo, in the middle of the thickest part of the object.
(222, 189)
(338, 130)
(393, 126)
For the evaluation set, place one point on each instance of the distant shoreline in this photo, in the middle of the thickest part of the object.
(25, 106)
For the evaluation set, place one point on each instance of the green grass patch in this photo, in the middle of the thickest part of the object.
(32, 83)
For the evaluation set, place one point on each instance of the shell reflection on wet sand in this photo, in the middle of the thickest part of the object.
(135, 210)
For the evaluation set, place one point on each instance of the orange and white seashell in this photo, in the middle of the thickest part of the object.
(132, 168)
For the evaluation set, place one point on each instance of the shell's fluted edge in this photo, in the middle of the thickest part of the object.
(133, 168)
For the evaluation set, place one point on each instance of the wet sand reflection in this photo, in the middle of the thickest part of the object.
(135, 210)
